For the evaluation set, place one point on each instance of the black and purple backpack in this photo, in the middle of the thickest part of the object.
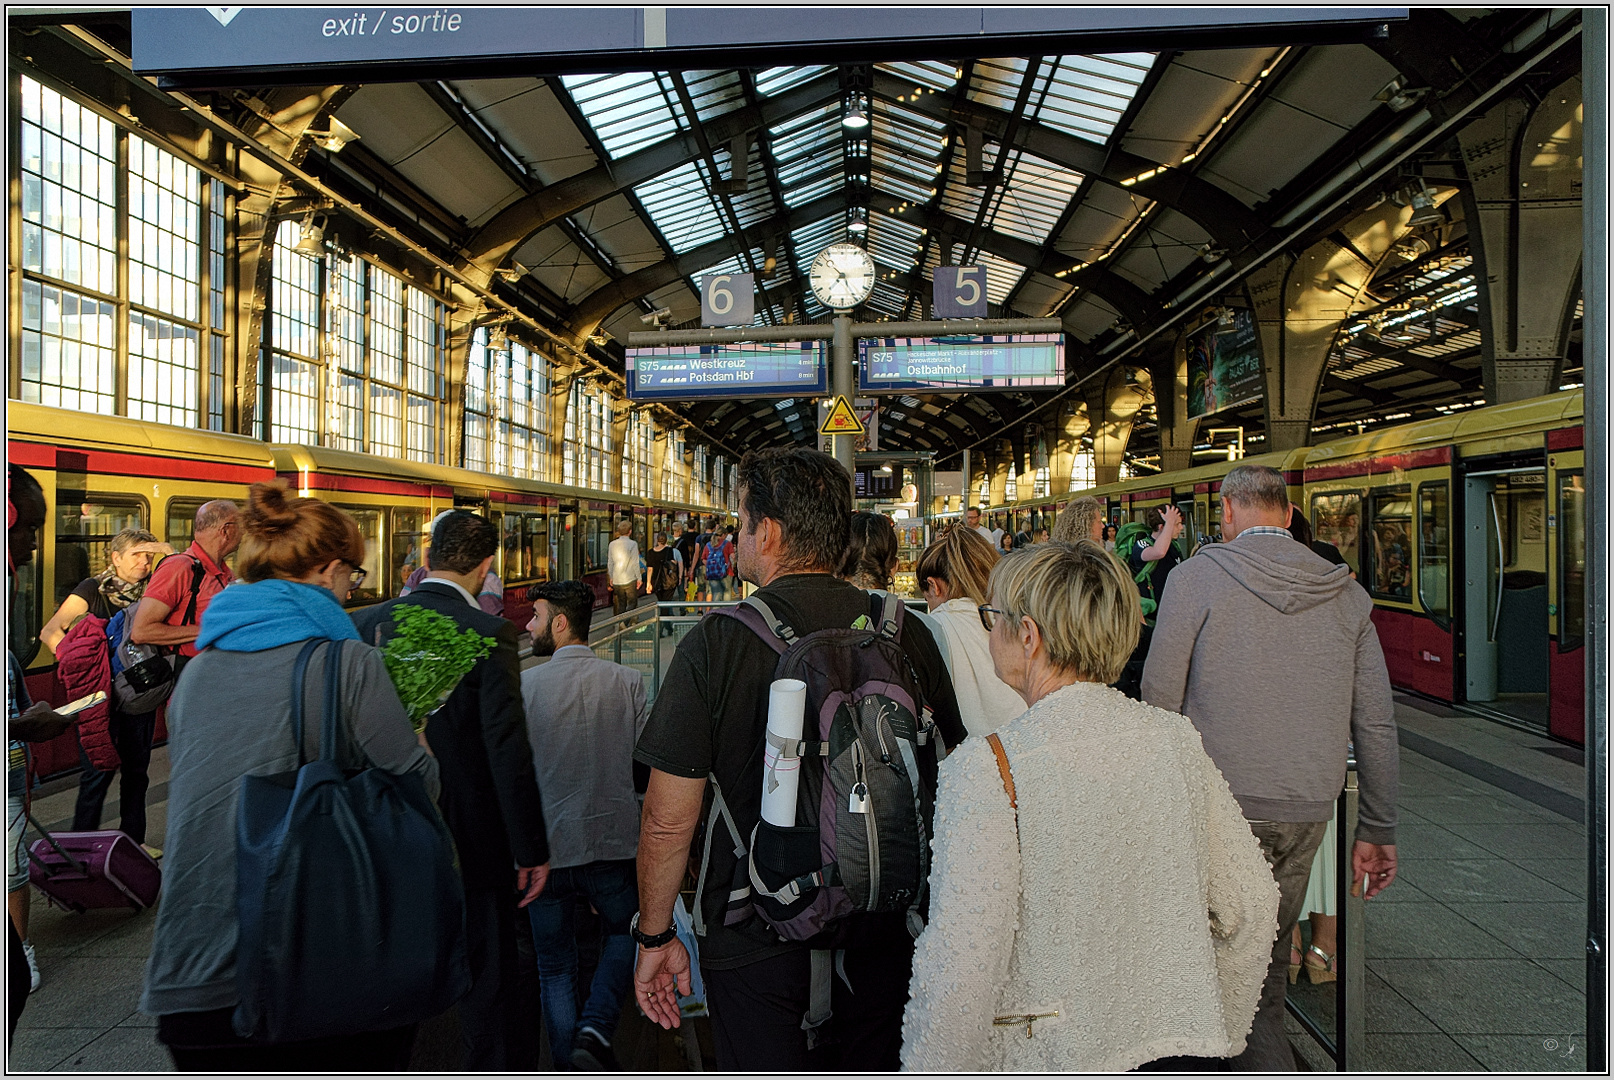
(861, 842)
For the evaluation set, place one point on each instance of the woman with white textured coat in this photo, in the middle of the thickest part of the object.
(1122, 915)
(952, 575)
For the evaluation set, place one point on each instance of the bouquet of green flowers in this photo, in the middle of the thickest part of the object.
(427, 657)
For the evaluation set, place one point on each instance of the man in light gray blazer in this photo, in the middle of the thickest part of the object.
(584, 715)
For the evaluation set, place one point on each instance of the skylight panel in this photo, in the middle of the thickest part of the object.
(1033, 199)
(1087, 95)
(811, 133)
(681, 207)
(916, 169)
(815, 189)
(1001, 276)
(894, 242)
(772, 81)
(714, 92)
(627, 111)
(932, 74)
(997, 82)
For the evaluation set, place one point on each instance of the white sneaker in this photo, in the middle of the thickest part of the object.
(33, 966)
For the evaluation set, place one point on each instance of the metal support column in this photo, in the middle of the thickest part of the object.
(842, 383)
(1594, 68)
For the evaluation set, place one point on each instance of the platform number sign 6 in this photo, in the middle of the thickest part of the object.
(959, 292)
(727, 300)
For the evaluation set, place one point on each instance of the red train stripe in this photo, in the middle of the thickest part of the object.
(1416, 459)
(113, 463)
(1566, 438)
(366, 485)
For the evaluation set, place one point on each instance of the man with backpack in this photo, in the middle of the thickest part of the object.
(166, 614)
(805, 964)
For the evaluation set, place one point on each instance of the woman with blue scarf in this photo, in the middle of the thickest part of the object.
(230, 716)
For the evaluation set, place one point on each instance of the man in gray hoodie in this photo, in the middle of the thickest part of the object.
(1271, 652)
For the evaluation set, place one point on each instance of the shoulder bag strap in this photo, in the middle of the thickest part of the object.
(1008, 777)
(299, 673)
(332, 724)
(892, 610)
(196, 591)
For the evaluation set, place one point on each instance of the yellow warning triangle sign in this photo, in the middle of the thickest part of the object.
(841, 420)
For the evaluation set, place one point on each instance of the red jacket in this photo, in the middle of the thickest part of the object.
(83, 666)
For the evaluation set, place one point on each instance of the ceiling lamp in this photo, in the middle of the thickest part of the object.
(312, 241)
(1412, 248)
(857, 116)
(498, 338)
(858, 220)
(337, 137)
(1424, 210)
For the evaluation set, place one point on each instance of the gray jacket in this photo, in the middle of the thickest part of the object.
(584, 716)
(1270, 650)
(230, 716)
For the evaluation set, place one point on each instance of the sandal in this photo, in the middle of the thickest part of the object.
(1294, 963)
(1325, 972)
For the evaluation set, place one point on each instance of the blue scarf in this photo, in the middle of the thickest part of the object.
(270, 613)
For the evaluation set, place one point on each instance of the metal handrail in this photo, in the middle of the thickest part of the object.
(1347, 1046)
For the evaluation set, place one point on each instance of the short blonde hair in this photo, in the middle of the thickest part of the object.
(961, 557)
(1075, 521)
(1080, 598)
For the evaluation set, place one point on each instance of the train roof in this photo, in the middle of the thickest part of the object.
(1563, 409)
(29, 422)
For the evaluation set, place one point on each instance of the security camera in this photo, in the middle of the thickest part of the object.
(655, 317)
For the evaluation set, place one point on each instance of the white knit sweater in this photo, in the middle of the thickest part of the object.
(1136, 904)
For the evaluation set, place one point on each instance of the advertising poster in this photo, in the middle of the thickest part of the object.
(1224, 365)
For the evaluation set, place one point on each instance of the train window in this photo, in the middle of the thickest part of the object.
(1337, 519)
(84, 524)
(515, 552)
(1434, 551)
(1571, 560)
(1389, 561)
(408, 547)
(369, 523)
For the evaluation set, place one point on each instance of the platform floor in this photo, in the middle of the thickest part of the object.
(1475, 956)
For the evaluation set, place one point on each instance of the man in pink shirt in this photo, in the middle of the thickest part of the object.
(164, 615)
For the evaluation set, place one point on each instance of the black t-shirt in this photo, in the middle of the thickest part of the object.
(1163, 566)
(89, 591)
(654, 561)
(712, 712)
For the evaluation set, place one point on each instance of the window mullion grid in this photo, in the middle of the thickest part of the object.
(120, 328)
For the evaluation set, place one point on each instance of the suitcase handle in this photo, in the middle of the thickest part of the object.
(51, 840)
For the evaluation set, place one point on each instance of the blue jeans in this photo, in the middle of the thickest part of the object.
(613, 889)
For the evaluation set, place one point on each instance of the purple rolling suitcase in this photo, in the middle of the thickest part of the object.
(79, 871)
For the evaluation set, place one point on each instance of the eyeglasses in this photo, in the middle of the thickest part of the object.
(986, 614)
(356, 578)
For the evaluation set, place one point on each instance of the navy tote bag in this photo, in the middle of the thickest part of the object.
(352, 915)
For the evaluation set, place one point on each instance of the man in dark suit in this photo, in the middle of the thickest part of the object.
(490, 796)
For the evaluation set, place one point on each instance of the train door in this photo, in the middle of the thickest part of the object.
(1505, 592)
(563, 542)
(1566, 611)
(1188, 539)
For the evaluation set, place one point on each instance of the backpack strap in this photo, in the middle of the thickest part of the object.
(818, 1008)
(720, 810)
(890, 616)
(333, 702)
(763, 622)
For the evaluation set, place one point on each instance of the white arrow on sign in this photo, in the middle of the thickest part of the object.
(223, 14)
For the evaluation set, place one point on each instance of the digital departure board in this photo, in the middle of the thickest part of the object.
(1002, 362)
(753, 369)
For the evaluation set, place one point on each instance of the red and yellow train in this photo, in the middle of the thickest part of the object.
(101, 474)
(1468, 530)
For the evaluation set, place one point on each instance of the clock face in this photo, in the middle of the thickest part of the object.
(842, 276)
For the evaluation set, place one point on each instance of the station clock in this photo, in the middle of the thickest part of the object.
(842, 276)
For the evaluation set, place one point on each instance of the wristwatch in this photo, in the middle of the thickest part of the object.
(651, 941)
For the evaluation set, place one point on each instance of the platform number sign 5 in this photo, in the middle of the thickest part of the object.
(727, 300)
(959, 292)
